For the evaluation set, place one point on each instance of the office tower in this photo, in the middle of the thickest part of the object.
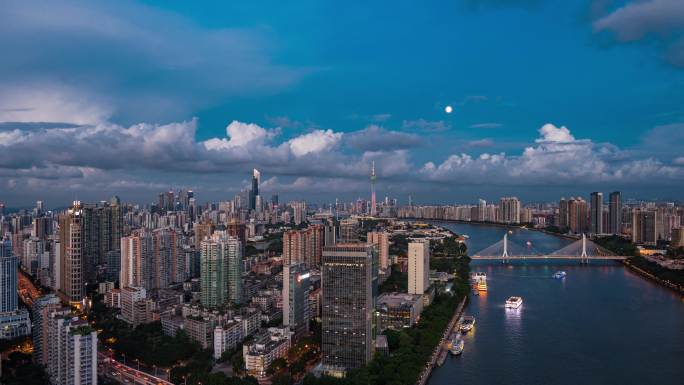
(72, 248)
(348, 302)
(137, 263)
(418, 267)
(677, 237)
(8, 277)
(274, 200)
(577, 215)
(73, 351)
(596, 213)
(296, 298)
(170, 201)
(42, 308)
(14, 322)
(254, 192)
(330, 234)
(615, 213)
(510, 210)
(374, 205)
(381, 240)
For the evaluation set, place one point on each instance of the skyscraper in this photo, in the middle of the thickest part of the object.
(615, 213)
(71, 240)
(296, 298)
(42, 308)
(510, 210)
(418, 267)
(254, 192)
(596, 213)
(374, 204)
(136, 260)
(14, 322)
(577, 215)
(348, 301)
(235, 250)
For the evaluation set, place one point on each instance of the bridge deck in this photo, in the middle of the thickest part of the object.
(521, 257)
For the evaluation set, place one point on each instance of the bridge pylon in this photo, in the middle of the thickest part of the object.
(504, 256)
(584, 257)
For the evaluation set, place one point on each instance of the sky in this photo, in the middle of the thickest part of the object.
(550, 98)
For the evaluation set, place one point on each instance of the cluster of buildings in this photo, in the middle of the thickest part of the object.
(647, 223)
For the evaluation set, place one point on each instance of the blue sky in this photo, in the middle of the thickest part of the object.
(550, 98)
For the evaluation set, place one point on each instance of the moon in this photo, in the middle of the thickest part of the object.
(448, 109)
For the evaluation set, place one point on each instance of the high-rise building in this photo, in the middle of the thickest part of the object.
(221, 270)
(71, 240)
(645, 226)
(577, 215)
(510, 210)
(481, 210)
(14, 322)
(347, 306)
(418, 267)
(349, 230)
(304, 245)
(137, 263)
(381, 240)
(374, 203)
(73, 351)
(254, 192)
(615, 213)
(296, 298)
(596, 213)
(299, 212)
(42, 308)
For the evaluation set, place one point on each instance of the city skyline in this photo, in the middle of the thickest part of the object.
(149, 113)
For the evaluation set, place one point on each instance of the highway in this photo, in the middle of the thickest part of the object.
(124, 374)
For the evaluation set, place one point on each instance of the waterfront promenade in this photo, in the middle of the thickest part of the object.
(440, 348)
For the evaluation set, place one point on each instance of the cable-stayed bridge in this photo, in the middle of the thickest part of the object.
(582, 250)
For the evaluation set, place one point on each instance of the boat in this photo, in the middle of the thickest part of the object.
(467, 323)
(480, 281)
(514, 302)
(456, 344)
(559, 275)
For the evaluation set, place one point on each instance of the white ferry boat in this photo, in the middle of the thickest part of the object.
(559, 275)
(467, 323)
(514, 302)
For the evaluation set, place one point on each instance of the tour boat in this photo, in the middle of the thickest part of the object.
(559, 274)
(514, 302)
(456, 344)
(480, 281)
(467, 323)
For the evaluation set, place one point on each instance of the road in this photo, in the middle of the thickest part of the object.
(27, 290)
(124, 374)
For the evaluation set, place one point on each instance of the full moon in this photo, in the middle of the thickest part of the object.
(448, 109)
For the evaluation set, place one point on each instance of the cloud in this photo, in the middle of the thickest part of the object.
(425, 125)
(375, 138)
(314, 142)
(556, 158)
(481, 143)
(678, 161)
(381, 117)
(83, 62)
(551, 133)
(525, 4)
(659, 20)
(486, 125)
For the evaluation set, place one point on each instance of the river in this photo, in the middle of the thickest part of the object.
(603, 324)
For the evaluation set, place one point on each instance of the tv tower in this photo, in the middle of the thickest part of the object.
(373, 202)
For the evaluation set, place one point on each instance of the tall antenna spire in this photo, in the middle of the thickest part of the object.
(373, 207)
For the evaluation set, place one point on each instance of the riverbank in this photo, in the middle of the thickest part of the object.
(495, 224)
(642, 270)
